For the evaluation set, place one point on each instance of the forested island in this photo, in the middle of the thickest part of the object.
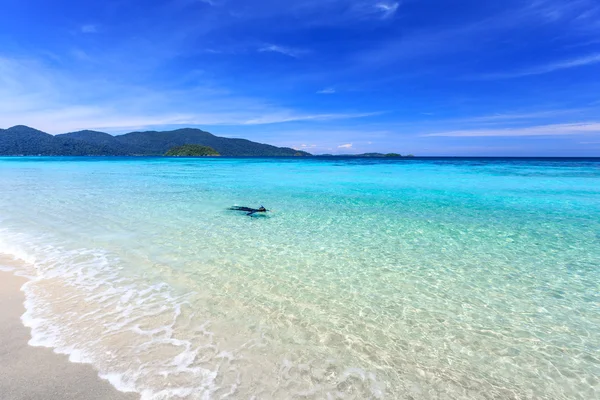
(192, 150)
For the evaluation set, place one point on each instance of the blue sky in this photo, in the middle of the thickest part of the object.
(428, 77)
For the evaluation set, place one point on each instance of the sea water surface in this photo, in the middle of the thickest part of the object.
(370, 278)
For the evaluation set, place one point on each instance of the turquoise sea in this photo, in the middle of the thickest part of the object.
(370, 278)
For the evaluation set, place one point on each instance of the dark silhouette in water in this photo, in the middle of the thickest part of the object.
(249, 211)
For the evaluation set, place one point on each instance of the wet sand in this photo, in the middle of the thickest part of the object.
(35, 373)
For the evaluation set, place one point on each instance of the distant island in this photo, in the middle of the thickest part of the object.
(191, 150)
(367, 155)
(22, 140)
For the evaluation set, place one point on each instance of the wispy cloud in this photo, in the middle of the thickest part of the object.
(545, 69)
(476, 35)
(387, 9)
(287, 51)
(508, 117)
(186, 3)
(542, 130)
(287, 117)
(328, 90)
(582, 12)
(345, 146)
(89, 28)
(34, 94)
(311, 12)
(370, 10)
(81, 55)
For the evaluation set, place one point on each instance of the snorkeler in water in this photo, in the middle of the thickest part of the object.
(248, 210)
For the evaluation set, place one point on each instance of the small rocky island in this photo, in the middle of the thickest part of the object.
(192, 150)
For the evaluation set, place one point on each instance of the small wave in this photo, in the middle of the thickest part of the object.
(79, 305)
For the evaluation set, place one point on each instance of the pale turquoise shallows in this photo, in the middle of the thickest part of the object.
(370, 279)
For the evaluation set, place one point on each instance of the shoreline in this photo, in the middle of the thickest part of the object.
(37, 373)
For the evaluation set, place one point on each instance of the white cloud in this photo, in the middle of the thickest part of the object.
(328, 90)
(373, 10)
(312, 12)
(291, 117)
(583, 13)
(81, 55)
(544, 69)
(542, 130)
(89, 28)
(532, 115)
(287, 51)
(304, 147)
(345, 146)
(387, 9)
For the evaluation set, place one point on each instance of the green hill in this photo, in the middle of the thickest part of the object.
(23, 140)
(26, 141)
(191, 150)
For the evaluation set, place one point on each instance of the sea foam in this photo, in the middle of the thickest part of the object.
(78, 305)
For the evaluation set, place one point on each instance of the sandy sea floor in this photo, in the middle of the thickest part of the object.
(32, 373)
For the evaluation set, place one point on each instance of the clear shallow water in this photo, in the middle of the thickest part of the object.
(395, 279)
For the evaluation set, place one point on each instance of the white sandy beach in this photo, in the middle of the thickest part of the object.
(33, 373)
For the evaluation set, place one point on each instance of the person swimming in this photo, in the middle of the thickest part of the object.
(249, 211)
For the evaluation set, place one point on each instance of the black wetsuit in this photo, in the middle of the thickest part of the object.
(249, 210)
